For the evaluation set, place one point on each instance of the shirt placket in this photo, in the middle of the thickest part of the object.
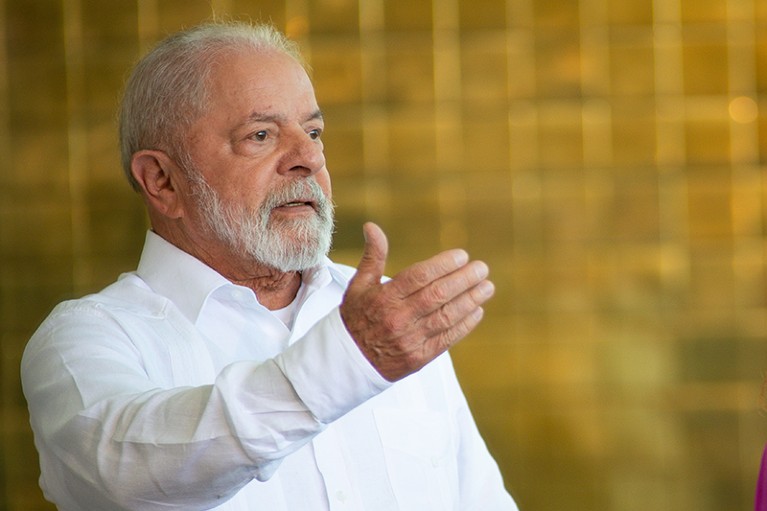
(328, 451)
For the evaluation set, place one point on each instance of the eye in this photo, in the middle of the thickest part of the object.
(315, 134)
(260, 135)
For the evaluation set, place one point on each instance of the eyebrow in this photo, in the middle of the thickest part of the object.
(262, 117)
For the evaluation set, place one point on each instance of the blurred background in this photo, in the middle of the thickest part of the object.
(605, 157)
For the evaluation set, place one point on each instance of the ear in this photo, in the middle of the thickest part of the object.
(159, 176)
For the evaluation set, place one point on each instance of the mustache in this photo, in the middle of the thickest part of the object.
(295, 189)
(298, 190)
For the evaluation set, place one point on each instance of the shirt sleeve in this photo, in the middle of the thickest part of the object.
(112, 437)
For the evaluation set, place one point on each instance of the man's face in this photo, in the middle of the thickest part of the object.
(259, 184)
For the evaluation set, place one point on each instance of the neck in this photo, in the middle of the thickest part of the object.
(274, 289)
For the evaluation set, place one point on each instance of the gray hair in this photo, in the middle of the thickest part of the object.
(168, 89)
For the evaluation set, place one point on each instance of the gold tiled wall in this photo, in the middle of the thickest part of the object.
(606, 157)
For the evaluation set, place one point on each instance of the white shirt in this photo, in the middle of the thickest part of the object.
(175, 389)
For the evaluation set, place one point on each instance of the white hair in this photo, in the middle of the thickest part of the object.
(296, 245)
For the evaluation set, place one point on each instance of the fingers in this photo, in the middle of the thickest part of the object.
(410, 357)
(457, 309)
(421, 274)
(445, 339)
(446, 300)
(403, 324)
(373, 261)
(442, 290)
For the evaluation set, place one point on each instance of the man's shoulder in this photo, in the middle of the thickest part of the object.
(126, 295)
(118, 311)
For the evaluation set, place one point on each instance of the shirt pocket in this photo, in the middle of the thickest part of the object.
(420, 462)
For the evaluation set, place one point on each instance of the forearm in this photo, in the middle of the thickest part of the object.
(186, 448)
(120, 439)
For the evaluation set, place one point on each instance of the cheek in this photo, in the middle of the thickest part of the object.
(323, 179)
(248, 187)
(245, 196)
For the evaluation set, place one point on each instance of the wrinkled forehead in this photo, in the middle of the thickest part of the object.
(251, 70)
(249, 86)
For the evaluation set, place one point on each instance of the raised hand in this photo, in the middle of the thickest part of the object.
(405, 323)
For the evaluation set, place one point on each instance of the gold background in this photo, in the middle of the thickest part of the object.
(605, 157)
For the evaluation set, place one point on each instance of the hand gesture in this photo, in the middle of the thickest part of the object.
(405, 323)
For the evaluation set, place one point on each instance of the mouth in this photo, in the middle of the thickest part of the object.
(297, 205)
(294, 204)
(297, 199)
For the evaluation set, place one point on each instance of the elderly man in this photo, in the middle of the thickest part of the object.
(238, 368)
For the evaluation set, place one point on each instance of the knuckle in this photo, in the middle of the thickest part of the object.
(419, 276)
(441, 343)
(436, 294)
(393, 323)
(443, 317)
(418, 357)
(447, 340)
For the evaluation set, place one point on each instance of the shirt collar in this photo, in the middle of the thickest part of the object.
(177, 275)
(188, 282)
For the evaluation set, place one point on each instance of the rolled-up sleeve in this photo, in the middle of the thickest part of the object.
(114, 433)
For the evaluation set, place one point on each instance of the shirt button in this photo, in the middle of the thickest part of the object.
(341, 496)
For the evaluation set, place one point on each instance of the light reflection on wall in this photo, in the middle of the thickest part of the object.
(605, 157)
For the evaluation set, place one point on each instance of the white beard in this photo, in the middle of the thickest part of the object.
(286, 245)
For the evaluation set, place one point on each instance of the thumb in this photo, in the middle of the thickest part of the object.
(370, 269)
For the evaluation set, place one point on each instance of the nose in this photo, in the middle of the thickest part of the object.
(303, 155)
